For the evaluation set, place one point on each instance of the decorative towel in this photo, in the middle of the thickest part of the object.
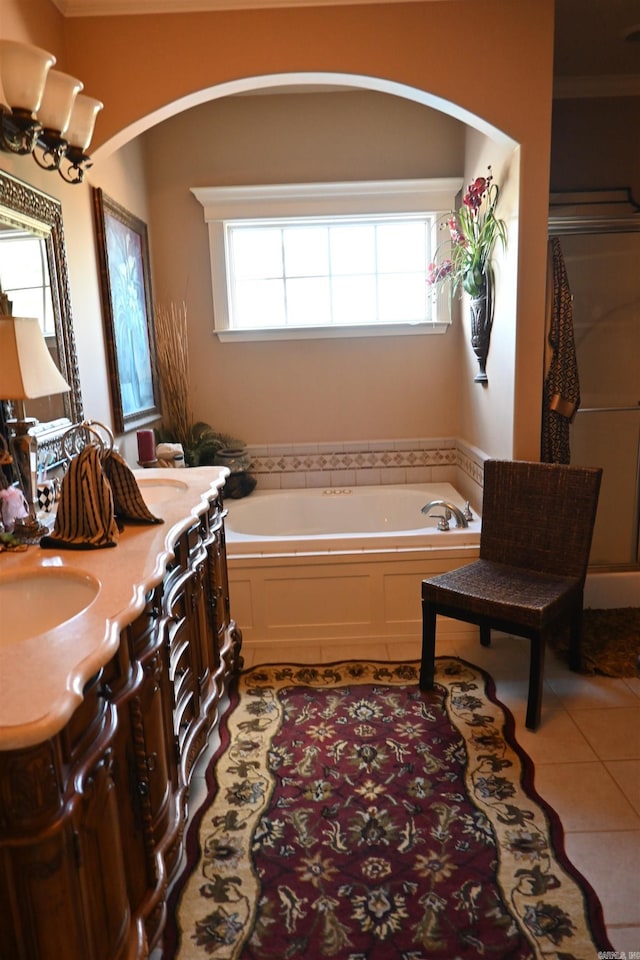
(562, 384)
(85, 519)
(98, 491)
(129, 504)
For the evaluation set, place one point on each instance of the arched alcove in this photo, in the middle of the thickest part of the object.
(303, 82)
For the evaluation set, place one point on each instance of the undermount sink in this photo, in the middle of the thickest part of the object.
(159, 489)
(37, 601)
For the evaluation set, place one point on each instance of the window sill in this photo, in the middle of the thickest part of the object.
(332, 333)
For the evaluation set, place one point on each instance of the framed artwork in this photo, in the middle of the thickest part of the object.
(127, 307)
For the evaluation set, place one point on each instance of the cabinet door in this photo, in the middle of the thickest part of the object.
(62, 885)
(99, 854)
(199, 626)
(39, 890)
(218, 585)
(156, 771)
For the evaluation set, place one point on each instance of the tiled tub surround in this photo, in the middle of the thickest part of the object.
(370, 462)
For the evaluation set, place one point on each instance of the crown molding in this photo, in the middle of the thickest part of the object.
(110, 8)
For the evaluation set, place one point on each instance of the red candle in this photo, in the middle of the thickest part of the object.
(146, 446)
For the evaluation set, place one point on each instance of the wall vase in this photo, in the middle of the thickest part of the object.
(481, 321)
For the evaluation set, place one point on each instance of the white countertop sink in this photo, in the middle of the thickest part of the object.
(62, 611)
(34, 602)
(158, 490)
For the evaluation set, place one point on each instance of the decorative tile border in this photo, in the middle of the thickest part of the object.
(420, 460)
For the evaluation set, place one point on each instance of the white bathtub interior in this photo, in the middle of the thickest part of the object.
(356, 583)
(331, 519)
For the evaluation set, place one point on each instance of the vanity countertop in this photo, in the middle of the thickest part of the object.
(42, 676)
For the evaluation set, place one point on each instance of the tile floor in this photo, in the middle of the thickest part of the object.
(586, 754)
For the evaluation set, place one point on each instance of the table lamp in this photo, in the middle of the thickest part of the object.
(27, 371)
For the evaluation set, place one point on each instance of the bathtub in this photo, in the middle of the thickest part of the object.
(340, 563)
(344, 519)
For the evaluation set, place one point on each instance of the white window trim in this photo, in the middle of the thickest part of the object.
(316, 199)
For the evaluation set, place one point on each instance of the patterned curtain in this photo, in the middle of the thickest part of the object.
(561, 397)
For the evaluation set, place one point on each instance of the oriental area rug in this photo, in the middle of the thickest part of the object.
(352, 816)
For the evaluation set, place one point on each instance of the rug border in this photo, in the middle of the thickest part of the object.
(591, 902)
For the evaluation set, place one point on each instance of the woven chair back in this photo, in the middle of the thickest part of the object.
(539, 516)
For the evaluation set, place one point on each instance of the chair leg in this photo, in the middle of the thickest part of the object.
(575, 639)
(536, 675)
(485, 635)
(427, 666)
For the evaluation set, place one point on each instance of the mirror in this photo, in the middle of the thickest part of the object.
(27, 214)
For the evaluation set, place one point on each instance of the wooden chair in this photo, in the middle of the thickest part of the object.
(537, 525)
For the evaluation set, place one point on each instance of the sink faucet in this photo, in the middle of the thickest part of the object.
(449, 508)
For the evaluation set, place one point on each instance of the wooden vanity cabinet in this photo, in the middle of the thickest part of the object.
(218, 585)
(145, 763)
(92, 821)
(61, 847)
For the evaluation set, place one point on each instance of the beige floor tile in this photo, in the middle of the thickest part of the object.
(514, 694)
(634, 685)
(333, 653)
(197, 793)
(625, 939)
(285, 653)
(614, 733)
(247, 656)
(580, 692)
(626, 773)
(506, 659)
(407, 650)
(557, 739)
(463, 646)
(585, 796)
(609, 861)
(404, 650)
(556, 666)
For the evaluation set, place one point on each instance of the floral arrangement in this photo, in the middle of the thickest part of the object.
(473, 232)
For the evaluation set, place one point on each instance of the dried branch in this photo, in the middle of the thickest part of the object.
(173, 369)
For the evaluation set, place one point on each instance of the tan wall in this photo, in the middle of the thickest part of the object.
(138, 65)
(311, 390)
(34, 21)
(484, 417)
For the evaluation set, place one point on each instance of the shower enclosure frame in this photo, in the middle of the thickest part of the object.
(602, 212)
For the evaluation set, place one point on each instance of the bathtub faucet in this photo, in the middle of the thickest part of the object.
(449, 508)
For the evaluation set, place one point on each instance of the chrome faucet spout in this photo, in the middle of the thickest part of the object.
(461, 520)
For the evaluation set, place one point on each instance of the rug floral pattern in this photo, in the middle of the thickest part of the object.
(359, 818)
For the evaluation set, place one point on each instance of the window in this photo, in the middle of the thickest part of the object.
(24, 277)
(325, 259)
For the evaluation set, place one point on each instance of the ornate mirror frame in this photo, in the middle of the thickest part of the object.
(26, 207)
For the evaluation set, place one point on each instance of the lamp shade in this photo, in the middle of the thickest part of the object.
(83, 120)
(60, 92)
(26, 367)
(23, 71)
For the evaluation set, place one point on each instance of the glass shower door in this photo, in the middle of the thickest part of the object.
(603, 267)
